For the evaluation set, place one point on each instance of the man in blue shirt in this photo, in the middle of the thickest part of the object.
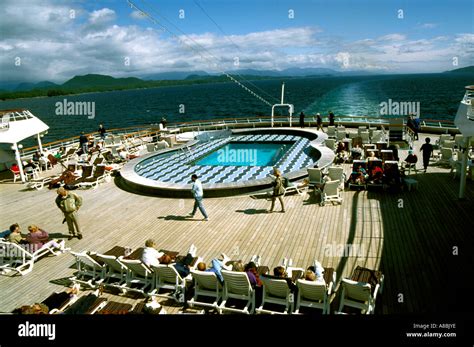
(198, 195)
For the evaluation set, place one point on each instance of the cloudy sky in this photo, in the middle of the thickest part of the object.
(57, 39)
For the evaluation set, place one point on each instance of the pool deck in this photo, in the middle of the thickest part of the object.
(409, 236)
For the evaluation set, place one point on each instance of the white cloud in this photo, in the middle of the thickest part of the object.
(54, 46)
(102, 16)
(392, 37)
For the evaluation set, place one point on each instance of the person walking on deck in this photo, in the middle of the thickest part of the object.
(301, 119)
(319, 122)
(69, 204)
(198, 194)
(278, 191)
(427, 150)
(101, 131)
(83, 143)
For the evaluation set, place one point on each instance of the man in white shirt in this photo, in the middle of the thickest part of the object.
(198, 195)
(150, 255)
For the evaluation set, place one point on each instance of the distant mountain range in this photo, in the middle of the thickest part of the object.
(95, 80)
(97, 83)
(463, 70)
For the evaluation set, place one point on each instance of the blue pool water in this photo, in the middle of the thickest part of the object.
(246, 154)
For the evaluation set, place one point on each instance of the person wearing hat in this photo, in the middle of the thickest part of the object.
(69, 203)
(278, 190)
(319, 122)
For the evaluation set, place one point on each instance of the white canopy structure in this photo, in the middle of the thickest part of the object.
(465, 122)
(17, 125)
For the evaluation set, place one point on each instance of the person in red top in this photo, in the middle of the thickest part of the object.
(15, 168)
(39, 238)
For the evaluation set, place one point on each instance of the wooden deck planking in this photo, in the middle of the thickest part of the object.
(406, 244)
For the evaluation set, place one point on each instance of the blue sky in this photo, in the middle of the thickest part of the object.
(368, 35)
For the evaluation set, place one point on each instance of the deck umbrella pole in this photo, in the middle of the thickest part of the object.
(19, 163)
(40, 145)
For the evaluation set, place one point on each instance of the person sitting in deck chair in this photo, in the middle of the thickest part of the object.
(216, 267)
(376, 175)
(356, 152)
(252, 274)
(15, 235)
(359, 176)
(39, 238)
(411, 159)
(67, 177)
(183, 266)
(150, 255)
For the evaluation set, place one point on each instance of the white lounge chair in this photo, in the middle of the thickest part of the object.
(89, 271)
(315, 176)
(358, 295)
(167, 277)
(331, 131)
(313, 294)
(17, 258)
(276, 291)
(446, 156)
(139, 276)
(336, 173)
(237, 286)
(115, 274)
(331, 193)
(206, 284)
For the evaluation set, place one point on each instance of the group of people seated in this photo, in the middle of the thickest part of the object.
(36, 239)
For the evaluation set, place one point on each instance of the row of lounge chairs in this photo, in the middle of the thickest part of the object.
(132, 275)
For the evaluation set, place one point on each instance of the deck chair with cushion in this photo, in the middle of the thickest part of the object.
(358, 295)
(331, 131)
(89, 304)
(331, 193)
(358, 178)
(276, 291)
(206, 284)
(94, 180)
(375, 172)
(237, 286)
(58, 302)
(167, 277)
(89, 272)
(86, 175)
(140, 277)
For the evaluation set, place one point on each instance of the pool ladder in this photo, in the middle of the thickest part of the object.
(188, 152)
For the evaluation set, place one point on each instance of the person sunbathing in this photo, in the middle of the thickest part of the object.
(67, 177)
(38, 238)
(216, 267)
(359, 175)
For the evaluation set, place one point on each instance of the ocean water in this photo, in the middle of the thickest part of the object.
(438, 96)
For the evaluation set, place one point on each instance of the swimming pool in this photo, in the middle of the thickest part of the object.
(235, 162)
(247, 154)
